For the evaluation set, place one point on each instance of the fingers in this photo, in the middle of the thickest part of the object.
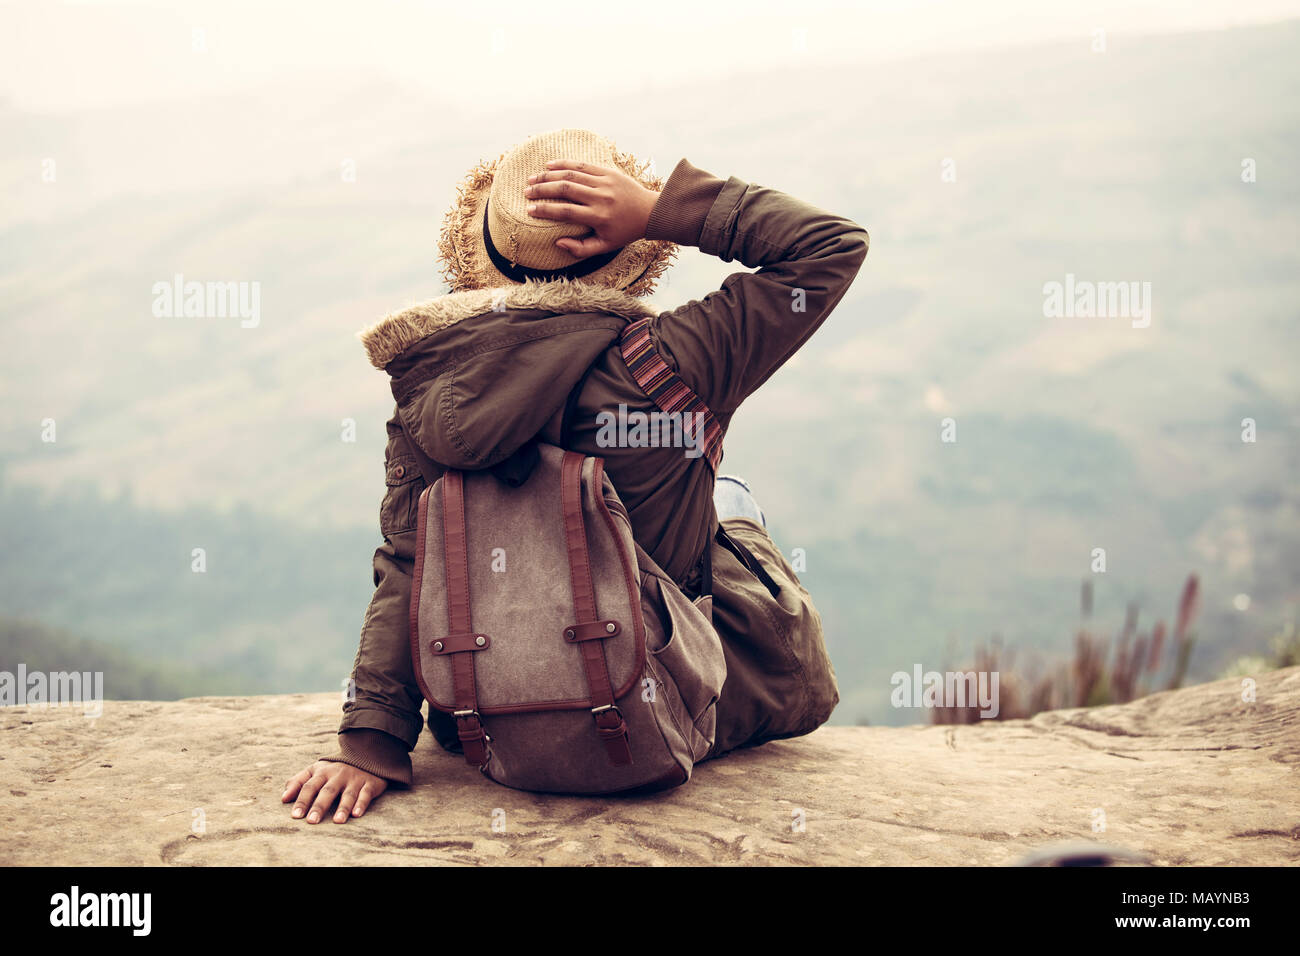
(307, 794)
(569, 175)
(565, 190)
(577, 166)
(568, 212)
(294, 784)
(368, 793)
(347, 800)
(584, 248)
(612, 205)
(571, 182)
(319, 785)
(329, 792)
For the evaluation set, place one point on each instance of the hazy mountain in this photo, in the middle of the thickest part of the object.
(124, 675)
(1072, 433)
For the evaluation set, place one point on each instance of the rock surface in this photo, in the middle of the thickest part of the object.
(1195, 776)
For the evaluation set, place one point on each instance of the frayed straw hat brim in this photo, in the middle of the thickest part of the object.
(467, 265)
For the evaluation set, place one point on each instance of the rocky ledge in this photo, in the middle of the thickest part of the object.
(1194, 776)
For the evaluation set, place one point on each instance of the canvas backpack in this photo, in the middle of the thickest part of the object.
(568, 659)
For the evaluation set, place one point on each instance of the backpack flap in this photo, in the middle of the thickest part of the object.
(535, 605)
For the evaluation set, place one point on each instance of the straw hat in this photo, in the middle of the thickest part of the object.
(489, 240)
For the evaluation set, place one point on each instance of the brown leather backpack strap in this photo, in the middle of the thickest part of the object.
(469, 725)
(609, 719)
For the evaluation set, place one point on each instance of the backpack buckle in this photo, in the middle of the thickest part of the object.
(478, 730)
(473, 736)
(609, 721)
(612, 729)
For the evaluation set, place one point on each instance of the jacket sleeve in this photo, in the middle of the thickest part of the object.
(730, 342)
(381, 720)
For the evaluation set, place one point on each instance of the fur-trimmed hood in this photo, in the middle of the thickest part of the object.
(394, 333)
(478, 373)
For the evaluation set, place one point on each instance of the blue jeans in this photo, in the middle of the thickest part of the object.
(732, 499)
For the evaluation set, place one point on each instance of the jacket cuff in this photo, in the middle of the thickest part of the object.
(406, 727)
(374, 752)
(683, 205)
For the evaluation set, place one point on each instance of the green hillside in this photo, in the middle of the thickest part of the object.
(1072, 434)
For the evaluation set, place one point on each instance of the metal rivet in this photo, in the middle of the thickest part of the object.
(611, 627)
(480, 641)
(569, 634)
(437, 645)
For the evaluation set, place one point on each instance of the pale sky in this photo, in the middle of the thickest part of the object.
(77, 55)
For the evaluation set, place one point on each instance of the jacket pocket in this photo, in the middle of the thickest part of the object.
(750, 562)
(397, 513)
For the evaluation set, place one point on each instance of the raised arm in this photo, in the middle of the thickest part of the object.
(730, 342)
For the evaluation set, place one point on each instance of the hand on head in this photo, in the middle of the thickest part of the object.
(613, 205)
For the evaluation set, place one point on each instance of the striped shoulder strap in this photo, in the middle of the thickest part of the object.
(665, 387)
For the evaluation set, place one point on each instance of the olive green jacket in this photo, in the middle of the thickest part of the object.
(477, 374)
